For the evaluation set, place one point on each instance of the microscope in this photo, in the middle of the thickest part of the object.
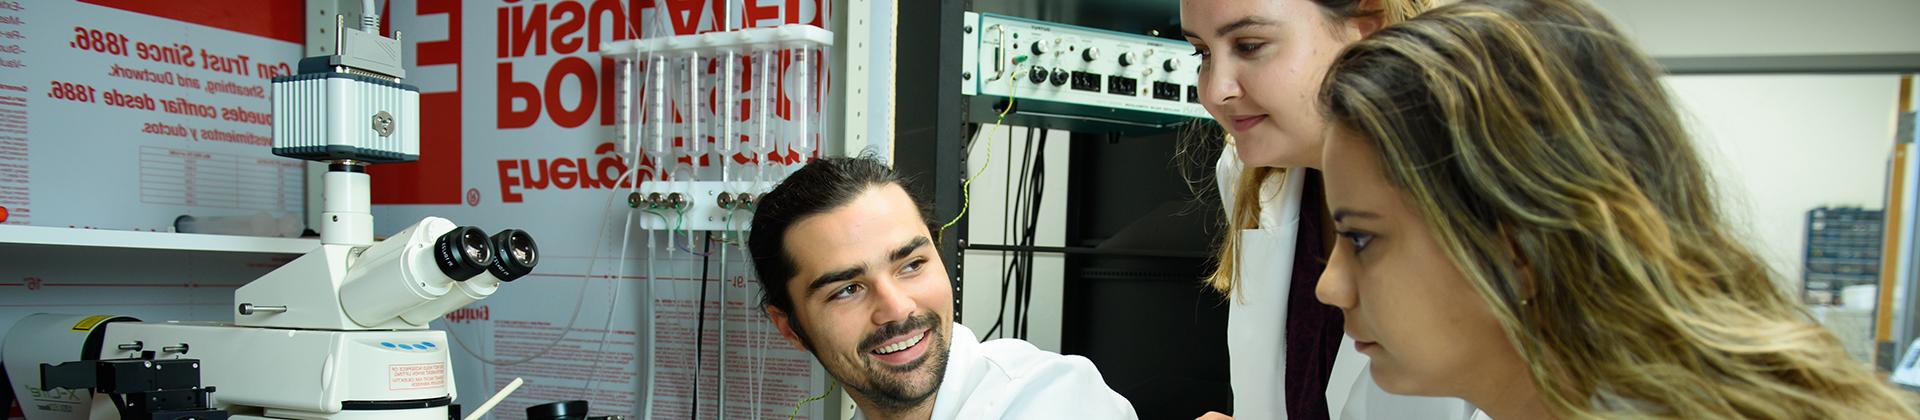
(340, 333)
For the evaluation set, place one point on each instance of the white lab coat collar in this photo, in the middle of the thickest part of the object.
(1012, 379)
(1256, 339)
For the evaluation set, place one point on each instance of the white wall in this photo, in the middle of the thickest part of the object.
(1670, 28)
(1781, 145)
(982, 270)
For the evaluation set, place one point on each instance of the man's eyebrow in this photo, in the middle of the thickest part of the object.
(835, 277)
(850, 273)
(905, 250)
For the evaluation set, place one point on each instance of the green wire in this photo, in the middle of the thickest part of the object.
(802, 403)
(664, 221)
(966, 188)
(966, 198)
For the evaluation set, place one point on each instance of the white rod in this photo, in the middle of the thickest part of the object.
(497, 398)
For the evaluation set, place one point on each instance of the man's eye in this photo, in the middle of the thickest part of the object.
(845, 291)
(1359, 240)
(912, 266)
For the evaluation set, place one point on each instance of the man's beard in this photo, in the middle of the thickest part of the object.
(886, 386)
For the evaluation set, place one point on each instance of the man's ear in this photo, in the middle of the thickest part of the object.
(784, 322)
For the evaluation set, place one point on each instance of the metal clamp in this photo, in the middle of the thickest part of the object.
(136, 345)
(182, 349)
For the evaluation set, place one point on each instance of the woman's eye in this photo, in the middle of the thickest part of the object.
(1248, 47)
(1359, 240)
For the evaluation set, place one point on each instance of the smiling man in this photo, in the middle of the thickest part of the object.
(849, 272)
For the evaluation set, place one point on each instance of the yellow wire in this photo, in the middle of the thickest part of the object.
(966, 200)
(823, 395)
(966, 188)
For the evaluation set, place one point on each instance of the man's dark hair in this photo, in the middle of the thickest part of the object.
(819, 187)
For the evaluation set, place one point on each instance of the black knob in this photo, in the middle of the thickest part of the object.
(515, 254)
(560, 410)
(462, 253)
(1090, 54)
(1126, 59)
(1038, 75)
(1039, 48)
(1059, 77)
(1172, 65)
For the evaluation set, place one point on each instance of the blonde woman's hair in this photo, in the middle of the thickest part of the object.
(1541, 149)
(1244, 211)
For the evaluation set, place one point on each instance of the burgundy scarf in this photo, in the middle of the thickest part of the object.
(1313, 329)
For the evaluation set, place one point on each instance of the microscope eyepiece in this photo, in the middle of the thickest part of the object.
(463, 252)
(515, 254)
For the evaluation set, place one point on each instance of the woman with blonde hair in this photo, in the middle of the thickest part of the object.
(1525, 224)
(1261, 62)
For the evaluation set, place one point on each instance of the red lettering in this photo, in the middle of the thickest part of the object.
(510, 90)
(621, 26)
(446, 51)
(685, 15)
(753, 13)
(528, 29)
(579, 69)
(563, 174)
(500, 35)
(461, 315)
(611, 162)
(610, 170)
(508, 181)
(565, 40)
(534, 177)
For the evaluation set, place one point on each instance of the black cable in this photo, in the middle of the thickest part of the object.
(700, 325)
(1020, 261)
(1010, 213)
(1038, 179)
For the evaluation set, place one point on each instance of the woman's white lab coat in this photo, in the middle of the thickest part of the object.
(1256, 336)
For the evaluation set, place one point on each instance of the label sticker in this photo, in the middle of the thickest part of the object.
(416, 376)
(87, 324)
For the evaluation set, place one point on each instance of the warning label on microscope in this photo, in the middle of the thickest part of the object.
(416, 376)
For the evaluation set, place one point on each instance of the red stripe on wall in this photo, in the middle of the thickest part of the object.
(435, 178)
(275, 19)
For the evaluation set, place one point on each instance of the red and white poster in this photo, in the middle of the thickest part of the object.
(124, 114)
(518, 130)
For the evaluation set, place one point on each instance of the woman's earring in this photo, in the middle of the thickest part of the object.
(1524, 301)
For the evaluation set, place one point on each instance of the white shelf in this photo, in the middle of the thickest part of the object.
(39, 235)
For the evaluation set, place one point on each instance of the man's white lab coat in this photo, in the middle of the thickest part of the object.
(1012, 379)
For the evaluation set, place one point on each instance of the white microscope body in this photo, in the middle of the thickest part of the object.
(339, 333)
